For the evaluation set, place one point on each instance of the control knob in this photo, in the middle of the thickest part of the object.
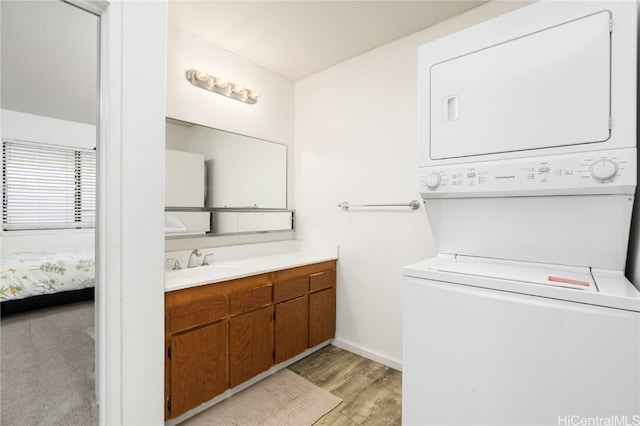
(433, 180)
(603, 170)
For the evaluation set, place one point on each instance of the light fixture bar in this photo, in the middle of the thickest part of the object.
(222, 86)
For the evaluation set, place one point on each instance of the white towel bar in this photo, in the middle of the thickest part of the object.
(414, 204)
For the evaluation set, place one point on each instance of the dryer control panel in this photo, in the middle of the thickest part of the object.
(602, 172)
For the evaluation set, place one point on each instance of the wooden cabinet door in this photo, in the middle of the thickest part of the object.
(250, 345)
(322, 316)
(198, 366)
(292, 328)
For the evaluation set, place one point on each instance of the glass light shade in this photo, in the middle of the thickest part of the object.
(202, 75)
(238, 89)
(221, 82)
(254, 94)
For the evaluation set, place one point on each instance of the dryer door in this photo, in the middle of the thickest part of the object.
(545, 89)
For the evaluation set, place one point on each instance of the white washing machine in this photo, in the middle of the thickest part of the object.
(527, 168)
(510, 343)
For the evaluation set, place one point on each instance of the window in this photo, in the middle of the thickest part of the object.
(47, 186)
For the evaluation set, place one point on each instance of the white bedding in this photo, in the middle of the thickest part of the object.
(33, 273)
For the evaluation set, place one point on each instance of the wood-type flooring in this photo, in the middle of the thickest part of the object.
(371, 392)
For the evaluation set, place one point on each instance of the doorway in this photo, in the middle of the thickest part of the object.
(50, 103)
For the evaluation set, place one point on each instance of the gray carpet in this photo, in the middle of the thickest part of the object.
(47, 367)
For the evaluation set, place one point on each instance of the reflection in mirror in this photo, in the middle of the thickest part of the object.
(211, 174)
(241, 171)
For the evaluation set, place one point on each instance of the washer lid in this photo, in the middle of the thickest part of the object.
(605, 288)
(576, 278)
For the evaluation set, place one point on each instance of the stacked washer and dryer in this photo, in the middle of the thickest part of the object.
(527, 169)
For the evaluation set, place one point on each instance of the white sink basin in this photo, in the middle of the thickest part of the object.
(200, 275)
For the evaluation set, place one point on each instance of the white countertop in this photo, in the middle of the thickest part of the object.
(233, 262)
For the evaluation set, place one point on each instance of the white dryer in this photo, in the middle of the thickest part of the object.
(527, 168)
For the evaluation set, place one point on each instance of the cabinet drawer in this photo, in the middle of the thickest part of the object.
(290, 289)
(321, 280)
(250, 299)
(198, 312)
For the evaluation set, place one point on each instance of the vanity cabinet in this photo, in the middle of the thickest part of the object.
(305, 308)
(250, 333)
(291, 303)
(196, 348)
(220, 335)
(322, 306)
(198, 371)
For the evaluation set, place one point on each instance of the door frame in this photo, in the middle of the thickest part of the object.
(108, 322)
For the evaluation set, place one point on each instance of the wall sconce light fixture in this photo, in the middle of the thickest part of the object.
(222, 86)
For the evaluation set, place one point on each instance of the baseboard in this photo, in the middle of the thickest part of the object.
(367, 353)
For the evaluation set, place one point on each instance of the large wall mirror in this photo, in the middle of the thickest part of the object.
(218, 182)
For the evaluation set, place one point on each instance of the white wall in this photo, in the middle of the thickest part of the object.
(143, 110)
(356, 140)
(130, 294)
(271, 118)
(36, 128)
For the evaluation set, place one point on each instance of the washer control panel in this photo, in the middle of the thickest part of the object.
(604, 169)
(602, 172)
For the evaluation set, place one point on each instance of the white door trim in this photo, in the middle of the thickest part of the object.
(108, 320)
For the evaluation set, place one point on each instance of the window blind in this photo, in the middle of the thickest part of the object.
(47, 186)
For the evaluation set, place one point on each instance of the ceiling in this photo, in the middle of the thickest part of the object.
(298, 38)
(49, 49)
(49, 57)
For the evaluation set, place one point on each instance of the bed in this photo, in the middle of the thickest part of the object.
(38, 279)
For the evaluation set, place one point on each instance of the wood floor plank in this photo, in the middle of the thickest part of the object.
(371, 392)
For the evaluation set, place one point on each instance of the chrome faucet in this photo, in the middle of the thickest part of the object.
(205, 262)
(176, 264)
(193, 262)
